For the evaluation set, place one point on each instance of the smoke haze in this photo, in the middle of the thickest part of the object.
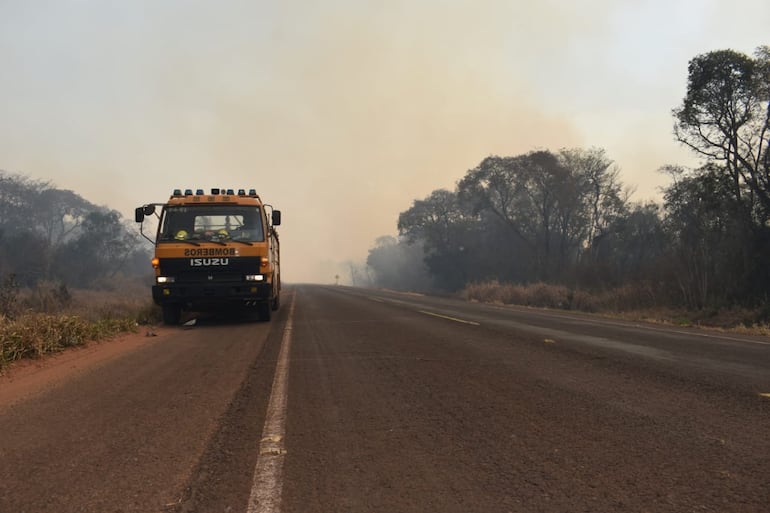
(341, 113)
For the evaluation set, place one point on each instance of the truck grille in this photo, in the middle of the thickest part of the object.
(233, 272)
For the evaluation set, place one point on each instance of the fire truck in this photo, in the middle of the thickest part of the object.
(217, 251)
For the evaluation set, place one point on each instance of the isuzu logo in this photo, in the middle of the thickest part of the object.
(206, 262)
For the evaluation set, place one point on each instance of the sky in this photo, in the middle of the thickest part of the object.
(341, 113)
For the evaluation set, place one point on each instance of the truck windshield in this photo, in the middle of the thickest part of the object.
(216, 223)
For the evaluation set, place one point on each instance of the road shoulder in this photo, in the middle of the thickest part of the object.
(26, 378)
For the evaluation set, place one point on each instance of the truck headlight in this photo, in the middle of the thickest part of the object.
(165, 279)
(255, 277)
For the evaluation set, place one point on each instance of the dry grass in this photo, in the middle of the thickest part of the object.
(537, 294)
(50, 317)
(632, 302)
(35, 334)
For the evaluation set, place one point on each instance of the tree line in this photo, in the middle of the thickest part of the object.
(564, 217)
(50, 234)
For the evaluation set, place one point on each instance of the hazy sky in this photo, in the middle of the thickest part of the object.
(341, 112)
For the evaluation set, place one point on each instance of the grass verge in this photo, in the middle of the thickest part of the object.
(50, 318)
(632, 302)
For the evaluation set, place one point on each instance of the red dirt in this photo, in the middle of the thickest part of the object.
(26, 378)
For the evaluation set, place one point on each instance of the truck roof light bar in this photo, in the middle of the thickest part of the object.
(216, 191)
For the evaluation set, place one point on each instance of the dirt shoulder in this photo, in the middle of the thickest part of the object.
(26, 378)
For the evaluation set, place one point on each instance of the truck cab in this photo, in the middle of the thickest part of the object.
(217, 251)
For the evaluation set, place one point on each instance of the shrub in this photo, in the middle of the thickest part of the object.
(9, 293)
(638, 301)
(49, 317)
(47, 297)
(544, 295)
(33, 335)
(548, 296)
(537, 294)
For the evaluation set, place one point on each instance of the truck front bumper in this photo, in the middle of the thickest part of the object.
(194, 295)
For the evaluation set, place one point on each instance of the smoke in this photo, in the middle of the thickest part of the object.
(367, 110)
(340, 113)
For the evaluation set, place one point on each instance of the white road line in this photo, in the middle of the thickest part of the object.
(268, 473)
(473, 323)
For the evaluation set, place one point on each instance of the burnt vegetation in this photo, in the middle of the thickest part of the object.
(563, 219)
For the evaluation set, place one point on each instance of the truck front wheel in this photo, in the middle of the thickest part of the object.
(171, 314)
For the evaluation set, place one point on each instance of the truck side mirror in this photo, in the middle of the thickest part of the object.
(141, 212)
(276, 217)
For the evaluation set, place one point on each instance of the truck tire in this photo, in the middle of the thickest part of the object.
(171, 314)
(277, 302)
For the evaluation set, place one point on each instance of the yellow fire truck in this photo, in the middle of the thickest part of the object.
(216, 251)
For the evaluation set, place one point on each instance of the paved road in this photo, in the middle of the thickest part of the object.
(354, 400)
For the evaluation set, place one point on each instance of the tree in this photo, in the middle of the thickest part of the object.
(26, 255)
(100, 251)
(598, 191)
(631, 249)
(398, 265)
(725, 118)
(520, 192)
(500, 186)
(36, 219)
(448, 234)
(554, 205)
(18, 202)
(712, 240)
(360, 274)
(60, 213)
(432, 219)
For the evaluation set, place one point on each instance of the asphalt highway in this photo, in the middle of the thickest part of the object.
(354, 400)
